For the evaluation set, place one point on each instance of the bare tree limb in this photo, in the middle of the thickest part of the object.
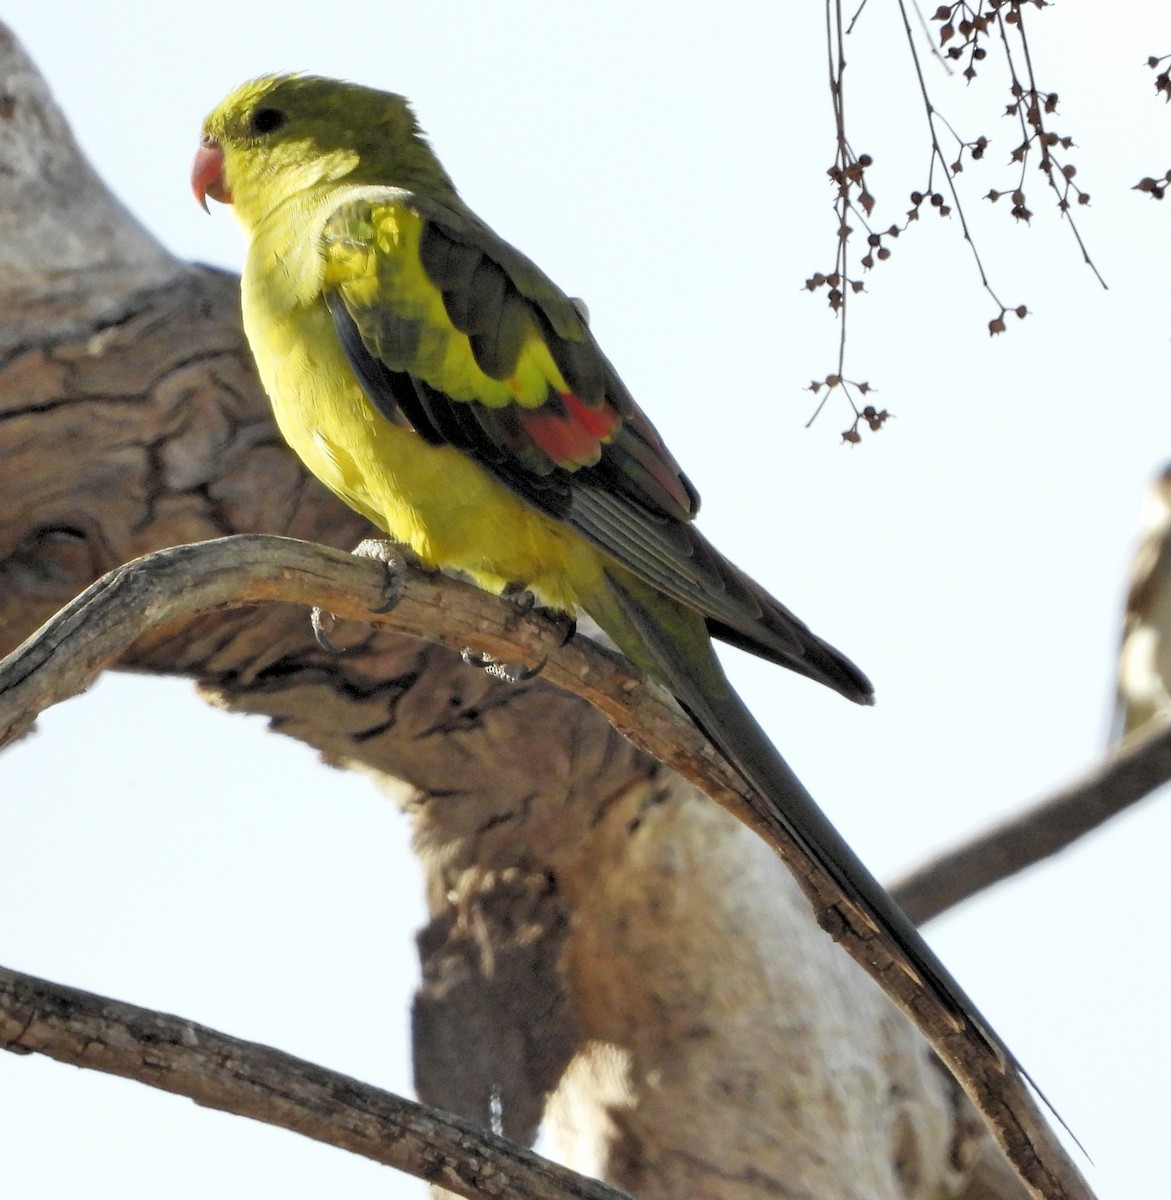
(96, 629)
(1049, 826)
(103, 622)
(222, 1072)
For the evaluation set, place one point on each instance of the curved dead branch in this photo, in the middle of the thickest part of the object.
(93, 631)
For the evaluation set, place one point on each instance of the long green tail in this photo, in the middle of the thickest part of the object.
(684, 659)
(702, 688)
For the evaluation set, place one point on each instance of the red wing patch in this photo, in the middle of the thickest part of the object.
(568, 431)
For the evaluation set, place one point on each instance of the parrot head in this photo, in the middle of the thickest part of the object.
(280, 135)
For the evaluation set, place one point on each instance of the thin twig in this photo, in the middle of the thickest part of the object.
(935, 51)
(848, 174)
(937, 156)
(1047, 160)
(853, 200)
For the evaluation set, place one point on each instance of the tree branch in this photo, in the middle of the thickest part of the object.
(93, 631)
(1049, 826)
(218, 1071)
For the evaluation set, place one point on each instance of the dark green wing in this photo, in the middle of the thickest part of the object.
(587, 456)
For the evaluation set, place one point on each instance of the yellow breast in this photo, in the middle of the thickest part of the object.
(435, 499)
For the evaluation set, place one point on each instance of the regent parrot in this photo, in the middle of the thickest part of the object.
(439, 383)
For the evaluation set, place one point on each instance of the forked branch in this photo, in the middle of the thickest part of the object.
(93, 631)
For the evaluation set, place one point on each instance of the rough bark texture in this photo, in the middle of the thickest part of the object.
(598, 931)
(222, 1072)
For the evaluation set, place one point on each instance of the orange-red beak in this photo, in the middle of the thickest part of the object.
(207, 174)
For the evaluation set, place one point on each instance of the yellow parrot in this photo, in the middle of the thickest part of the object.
(439, 383)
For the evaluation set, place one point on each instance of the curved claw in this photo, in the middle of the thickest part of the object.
(322, 622)
(393, 556)
(393, 589)
(505, 672)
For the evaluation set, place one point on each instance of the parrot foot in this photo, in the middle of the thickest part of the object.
(393, 556)
(505, 672)
(525, 602)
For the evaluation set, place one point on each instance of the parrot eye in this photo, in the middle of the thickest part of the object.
(267, 120)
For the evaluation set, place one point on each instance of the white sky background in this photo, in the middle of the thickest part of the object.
(667, 163)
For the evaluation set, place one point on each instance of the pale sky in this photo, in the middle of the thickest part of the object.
(666, 162)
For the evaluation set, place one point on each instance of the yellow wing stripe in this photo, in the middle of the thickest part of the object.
(376, 263)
